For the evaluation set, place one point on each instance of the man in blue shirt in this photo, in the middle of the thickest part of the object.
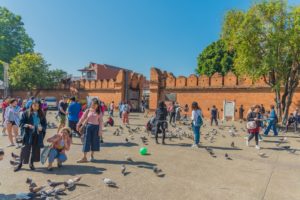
(272, 122)
(73, 113)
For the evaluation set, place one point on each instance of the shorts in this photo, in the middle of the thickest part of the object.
(13, 123)
(62, 119)
(72, 126)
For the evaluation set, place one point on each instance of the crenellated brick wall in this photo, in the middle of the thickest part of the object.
(106, 90)
(209, 91)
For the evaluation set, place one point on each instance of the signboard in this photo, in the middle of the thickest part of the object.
(229, 109)
(171, 97)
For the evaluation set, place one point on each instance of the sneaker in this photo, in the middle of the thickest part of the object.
(247, 143)
(257, 147)
(11, 145)
(261, 140)
(194, 146)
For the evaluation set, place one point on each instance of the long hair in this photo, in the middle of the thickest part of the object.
(39, 111)
(96, 101)
(195, 106)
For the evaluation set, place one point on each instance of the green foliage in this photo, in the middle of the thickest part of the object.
(215, 58)
(30, 71)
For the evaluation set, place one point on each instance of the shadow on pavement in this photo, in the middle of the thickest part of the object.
(222, 148)
(7, 196)
(118, 144)
(71, 170)
(124, 162)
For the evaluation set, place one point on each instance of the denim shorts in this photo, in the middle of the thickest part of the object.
(91, 140)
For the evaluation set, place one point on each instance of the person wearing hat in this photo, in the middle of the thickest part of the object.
(73, 114)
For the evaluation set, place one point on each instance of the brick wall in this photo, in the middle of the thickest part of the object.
(209, 91)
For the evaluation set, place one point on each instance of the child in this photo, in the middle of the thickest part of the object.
(61, 142)
(109, 121)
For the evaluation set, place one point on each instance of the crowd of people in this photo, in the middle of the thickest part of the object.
(85, 120)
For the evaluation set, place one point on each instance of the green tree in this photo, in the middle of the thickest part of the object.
(13, 37)
(31, 72)
(215, 58)
(266, 39)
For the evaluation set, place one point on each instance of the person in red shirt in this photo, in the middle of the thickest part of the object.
(5, 104)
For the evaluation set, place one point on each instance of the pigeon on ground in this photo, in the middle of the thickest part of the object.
(123, 170)
(232, 144)
(108, 182)
(14, 163)
(227, 156)
(292, 151)
(157, 171)
(36, 189)
(71, 182)
(126, 139)
(263, 155)
(128, 159)
(15, 156)
(286, 147)
(54, 184)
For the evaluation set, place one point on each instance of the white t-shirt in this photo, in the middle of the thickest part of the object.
(195, 114)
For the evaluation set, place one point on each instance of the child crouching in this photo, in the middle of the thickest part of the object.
(61, 143)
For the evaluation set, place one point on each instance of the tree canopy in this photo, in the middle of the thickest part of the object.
(266, 39)
(31, 72)
(215, 58)
(13, 38)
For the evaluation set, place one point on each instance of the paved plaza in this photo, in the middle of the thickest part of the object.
(272, 173)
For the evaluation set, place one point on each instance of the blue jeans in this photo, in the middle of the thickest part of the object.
(196, 130)
(270, 126)
(55, 154)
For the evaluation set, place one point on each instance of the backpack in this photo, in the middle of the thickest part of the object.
(199, 121)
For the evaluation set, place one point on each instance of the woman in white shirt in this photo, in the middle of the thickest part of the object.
(196, 123)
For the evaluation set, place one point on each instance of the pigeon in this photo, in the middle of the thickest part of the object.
(108, 182)
(263, 155)
(59, 190)
(128, 159)
(227, 156)
(286, 147)
(15, 156)
(232, 144)
(123, 170)
(36, 189)
(292, 151)
(126, 139)
(14, 163)
(71, 182)
(54, 184)
(157, 171)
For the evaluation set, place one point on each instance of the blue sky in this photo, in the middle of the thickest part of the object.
(135, 34)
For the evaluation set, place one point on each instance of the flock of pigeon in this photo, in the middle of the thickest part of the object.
(54, 189)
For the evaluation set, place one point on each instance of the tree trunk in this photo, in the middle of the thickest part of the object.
(278, 103)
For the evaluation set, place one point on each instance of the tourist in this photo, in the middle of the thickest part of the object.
(142, 106)
(120, 109)
(125, 113)
(172, 112)
(29, 102)
(186, 110)
(197, 122)
(263, 110)
(273, 120)
(44, 106)
(110, 121)
(33, 126)
(61, 143)
(214, 115)
(73, 115)
(178, 111)
(111, 109)
(161, 114)
(12, 120)
(92, 119)
(62, 113)
(253, 125)
(297, 117)
(241, 112)
(5, 104)
(291, 120)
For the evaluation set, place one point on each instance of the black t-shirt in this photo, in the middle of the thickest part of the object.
(64, 106)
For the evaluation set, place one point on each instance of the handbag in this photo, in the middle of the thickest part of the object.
(251, 125)
(82, 128)
(45, 154)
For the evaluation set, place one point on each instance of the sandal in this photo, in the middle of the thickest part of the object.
(82, 161)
